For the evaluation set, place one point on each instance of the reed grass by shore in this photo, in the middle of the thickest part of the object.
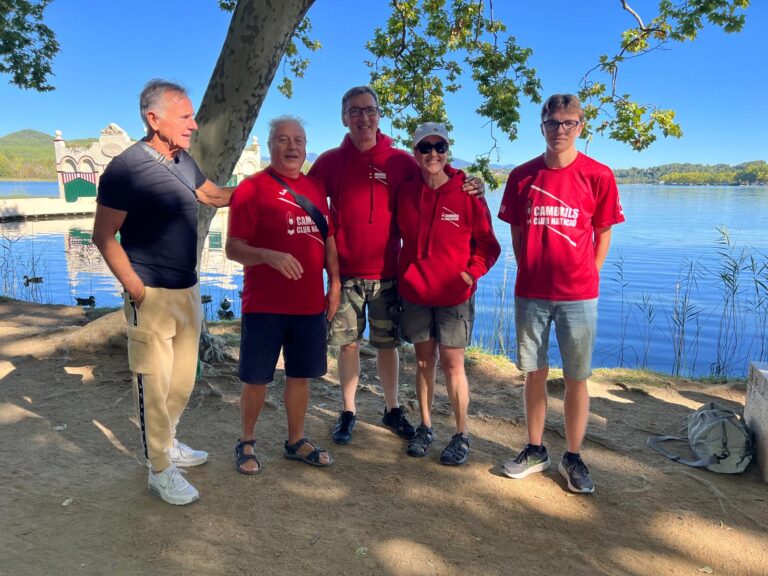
(673, 317)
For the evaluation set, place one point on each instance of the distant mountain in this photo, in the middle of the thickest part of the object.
(27, 138)
(27, 154)
(461, 164)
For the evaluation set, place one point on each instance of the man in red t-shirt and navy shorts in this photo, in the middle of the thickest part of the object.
(561, 206)
(273, 233)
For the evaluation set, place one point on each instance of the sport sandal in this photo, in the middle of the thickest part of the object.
(457, 451)
(418, 447)
(241, 457)
(291, 452)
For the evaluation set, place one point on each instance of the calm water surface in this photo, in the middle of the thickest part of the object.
(29, 190)
(671, 233)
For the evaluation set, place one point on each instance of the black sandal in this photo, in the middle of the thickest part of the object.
(455, 454)
(241, 457)
(291, 452)
(418, 446)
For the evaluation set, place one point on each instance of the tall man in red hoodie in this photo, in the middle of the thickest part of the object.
(361, 177)
(561, 206)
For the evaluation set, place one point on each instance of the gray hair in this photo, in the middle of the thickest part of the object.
(275, 123)
(152, 95)
(356, 91)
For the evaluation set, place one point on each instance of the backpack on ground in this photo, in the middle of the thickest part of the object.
(717, 436)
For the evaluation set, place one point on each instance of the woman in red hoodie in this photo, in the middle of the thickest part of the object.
(448, 244)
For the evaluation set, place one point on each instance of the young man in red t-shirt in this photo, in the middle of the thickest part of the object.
(561, 207)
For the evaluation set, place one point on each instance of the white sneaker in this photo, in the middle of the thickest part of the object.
(171, 486)
(184, 456)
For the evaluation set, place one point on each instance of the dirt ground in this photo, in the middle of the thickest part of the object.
(73, 495)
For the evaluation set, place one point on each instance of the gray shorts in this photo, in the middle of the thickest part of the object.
(575, 328)
(447, 325)
(379, 297)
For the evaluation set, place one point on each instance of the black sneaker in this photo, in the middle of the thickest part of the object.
(342, 433)
(573, 469)
(531, 459)
(395, 420)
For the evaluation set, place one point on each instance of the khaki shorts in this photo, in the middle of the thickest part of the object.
(448, 325)
(380, 298)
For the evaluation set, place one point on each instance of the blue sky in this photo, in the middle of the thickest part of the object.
(109, 50)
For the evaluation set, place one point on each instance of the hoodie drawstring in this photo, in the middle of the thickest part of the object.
(371, 178)
(425, 253)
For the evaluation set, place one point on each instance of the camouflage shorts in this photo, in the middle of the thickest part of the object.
(380, 298)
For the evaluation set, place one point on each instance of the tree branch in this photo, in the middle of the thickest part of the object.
(629, 9)
(396, 6)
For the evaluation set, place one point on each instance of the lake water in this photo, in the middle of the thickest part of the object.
(29, 190)
(664, 300)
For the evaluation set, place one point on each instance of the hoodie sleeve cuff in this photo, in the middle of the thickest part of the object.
(476, 271)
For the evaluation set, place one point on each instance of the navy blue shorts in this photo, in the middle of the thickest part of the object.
(301, 337)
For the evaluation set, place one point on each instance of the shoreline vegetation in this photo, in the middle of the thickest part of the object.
(634, 378)
(753, 173)
(674, 316)
(28, 156)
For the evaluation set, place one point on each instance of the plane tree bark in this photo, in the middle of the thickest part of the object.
(258, 35)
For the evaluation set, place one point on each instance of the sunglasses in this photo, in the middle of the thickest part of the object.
(426, 147)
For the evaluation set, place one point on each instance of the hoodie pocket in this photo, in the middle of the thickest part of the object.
(437, 285)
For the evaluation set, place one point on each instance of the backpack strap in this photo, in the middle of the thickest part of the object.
(312, 210)
(655, 443)
(169, 165)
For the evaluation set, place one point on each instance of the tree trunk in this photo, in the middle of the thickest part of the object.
(258, 35)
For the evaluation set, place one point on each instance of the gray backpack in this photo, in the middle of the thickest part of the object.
(717, 436)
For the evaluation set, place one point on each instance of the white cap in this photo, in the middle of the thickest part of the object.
(430, 129)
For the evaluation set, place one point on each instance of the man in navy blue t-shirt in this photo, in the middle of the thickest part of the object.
(149, 194)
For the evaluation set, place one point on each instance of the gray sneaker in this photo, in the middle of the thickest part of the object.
(576, 472)
(529, 460)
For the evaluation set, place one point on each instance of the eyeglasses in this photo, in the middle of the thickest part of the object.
(369, 111)
(426, 147)
(554, 125)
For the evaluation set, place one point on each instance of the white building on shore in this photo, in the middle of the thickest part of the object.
(78, 170)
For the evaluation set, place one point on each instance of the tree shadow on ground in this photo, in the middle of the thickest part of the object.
(376, 510)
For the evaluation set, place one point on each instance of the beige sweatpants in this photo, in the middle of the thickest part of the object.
(163, 341)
